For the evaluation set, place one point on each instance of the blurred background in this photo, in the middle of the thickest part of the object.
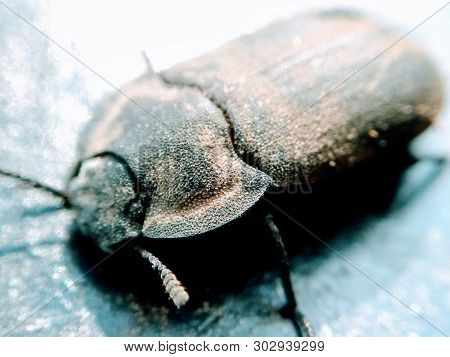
(397, 232)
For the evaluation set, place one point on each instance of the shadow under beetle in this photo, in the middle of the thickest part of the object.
(184, 151)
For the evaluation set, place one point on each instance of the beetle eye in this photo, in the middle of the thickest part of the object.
(136, 212)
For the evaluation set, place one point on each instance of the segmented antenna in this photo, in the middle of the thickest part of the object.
(173, 286)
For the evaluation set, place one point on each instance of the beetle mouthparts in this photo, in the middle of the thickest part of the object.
(173, 286)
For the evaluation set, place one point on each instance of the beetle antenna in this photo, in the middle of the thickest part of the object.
(151, 71)
(176, 291)
(38, 185)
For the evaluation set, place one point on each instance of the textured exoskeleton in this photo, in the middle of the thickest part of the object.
(204, 140)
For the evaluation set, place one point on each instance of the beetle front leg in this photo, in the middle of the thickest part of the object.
(301, 323)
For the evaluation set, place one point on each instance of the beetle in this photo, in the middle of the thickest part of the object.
(184, 151)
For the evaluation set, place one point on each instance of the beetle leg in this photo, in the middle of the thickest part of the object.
(301, 323)
(438, 164)
(173, 286)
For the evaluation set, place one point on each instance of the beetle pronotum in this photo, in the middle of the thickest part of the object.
(193, 147)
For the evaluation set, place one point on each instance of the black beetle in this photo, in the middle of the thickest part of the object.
(184, 151)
